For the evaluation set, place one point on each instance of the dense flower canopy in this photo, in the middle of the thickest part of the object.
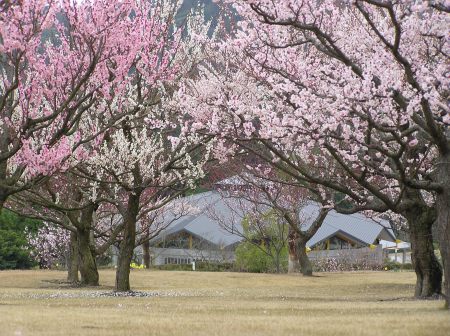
(364, 83)
(63, 64)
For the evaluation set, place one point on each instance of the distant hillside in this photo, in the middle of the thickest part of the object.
(211, 8)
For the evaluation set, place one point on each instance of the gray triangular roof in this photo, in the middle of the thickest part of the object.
(200, 224)
(356, 226)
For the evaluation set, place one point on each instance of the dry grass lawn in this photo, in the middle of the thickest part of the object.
(195, 303)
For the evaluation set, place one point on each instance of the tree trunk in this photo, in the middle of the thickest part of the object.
(305, 263)
(127, 244)
(298, 259)
(293, 262)
(146, 253)
(146, 249)
(3, 173)
(427, 268)
(3, 198)
(82, 221)
(72, 260)
(88, 265)
(443, 220)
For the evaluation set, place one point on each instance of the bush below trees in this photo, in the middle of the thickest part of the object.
(251, 258)
(15, 253)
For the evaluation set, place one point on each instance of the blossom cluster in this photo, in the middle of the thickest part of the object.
(50, 245)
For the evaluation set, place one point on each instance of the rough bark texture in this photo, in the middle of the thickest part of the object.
(127, 244)
(2, 199)
(88, 265)
(298, 258)
(72, 262)
(293, 263)
(443, 220)
(427, 268)
(3, 170)
(297, 239)
(82, 221)
(305, 263)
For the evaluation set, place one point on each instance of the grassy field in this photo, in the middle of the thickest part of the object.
(194, 303)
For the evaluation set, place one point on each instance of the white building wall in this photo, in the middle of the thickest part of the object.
(159, 256)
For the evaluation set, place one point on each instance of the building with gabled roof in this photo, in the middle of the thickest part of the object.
(346, 231)
(200, 236)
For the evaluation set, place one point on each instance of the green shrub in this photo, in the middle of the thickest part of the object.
(207, 266)
(265, 248)
(390, 265)
(174, 267)
(14, 249)
(251, 258)
(407, 266)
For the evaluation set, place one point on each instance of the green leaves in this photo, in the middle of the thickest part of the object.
(15, 252)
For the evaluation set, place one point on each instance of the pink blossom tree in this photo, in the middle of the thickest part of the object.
(152, 156)
(50, 245)
(61, 100)
(350, 95)
(62, 65)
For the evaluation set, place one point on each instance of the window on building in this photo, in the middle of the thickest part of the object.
(177, 260)
(337, 243)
